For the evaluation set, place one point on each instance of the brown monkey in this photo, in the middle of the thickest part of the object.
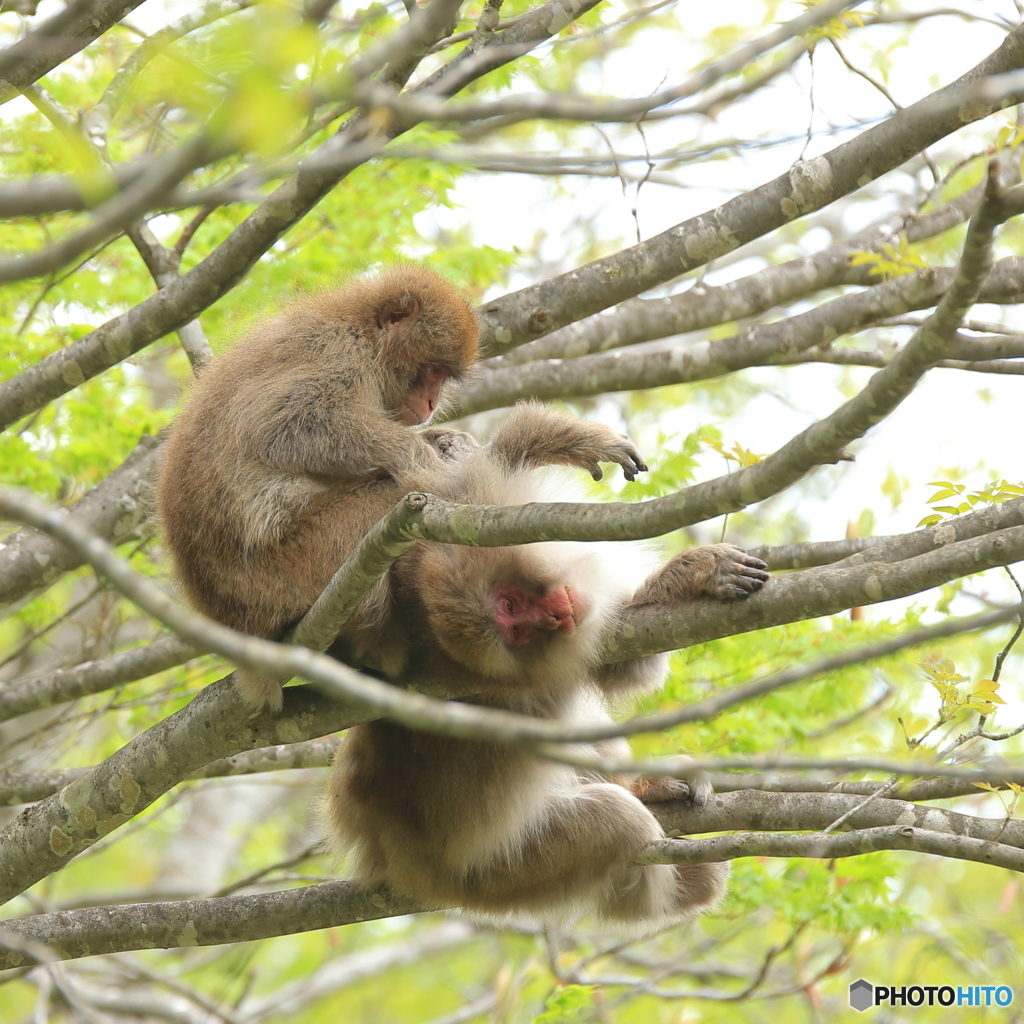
(298, 439)
(490, 827)
(290, 448)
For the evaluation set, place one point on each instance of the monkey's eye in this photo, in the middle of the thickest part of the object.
(509, 606)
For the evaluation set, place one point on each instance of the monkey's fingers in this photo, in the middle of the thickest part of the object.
(754, 563)
(624, 452)
(737, 575)
(451, 445)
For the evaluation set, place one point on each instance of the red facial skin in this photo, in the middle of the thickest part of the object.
(421, 402)
(520, 616)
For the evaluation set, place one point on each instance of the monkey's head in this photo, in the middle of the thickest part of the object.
(525, 615)
(424, 337)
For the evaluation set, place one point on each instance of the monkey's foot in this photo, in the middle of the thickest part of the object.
(714, 570)
(451, 445)
(661, 790)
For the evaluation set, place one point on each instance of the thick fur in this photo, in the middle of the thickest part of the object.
(489, 827)
(288, 449)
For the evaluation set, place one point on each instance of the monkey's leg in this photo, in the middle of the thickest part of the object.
(258, 691)
(581, 859)
(537, 436)
(662, 892)
(715, 570)
(569, 859)
(657, 894)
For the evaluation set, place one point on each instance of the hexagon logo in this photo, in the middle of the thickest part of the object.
(862, 995)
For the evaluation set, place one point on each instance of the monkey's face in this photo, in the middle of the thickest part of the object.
(521, 615)
(505, 614)
(420, 400)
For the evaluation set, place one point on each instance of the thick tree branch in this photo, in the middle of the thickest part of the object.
(812, 593)
(28, 787)
(77, 933)
(809, 554)
(56, 39)
(216, 724)
(540, 309)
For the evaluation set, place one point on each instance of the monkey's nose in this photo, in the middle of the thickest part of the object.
(559, 610)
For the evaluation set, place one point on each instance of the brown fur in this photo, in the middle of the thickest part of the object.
(291, 446)
(490, 827)
(288, 448)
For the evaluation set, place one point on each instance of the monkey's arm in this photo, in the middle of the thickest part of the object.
(722, 571)
(535, 435)
(315, 432)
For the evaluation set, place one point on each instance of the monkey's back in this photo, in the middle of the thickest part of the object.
(254, 545)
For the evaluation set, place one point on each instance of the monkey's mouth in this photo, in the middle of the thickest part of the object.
(521, 617)
(410, 417)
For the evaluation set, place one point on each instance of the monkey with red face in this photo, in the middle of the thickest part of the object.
(491, 827)
(290, 448)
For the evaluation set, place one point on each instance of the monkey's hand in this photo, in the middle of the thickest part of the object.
(715, 570)
(615, 448)
(451, 445)
(661, 790)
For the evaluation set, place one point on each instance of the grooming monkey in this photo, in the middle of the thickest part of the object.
(290, 448)
(297, 440)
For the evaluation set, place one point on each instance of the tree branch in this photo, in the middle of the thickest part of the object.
(638, 320)
(91, 931)
(116, 213)
(830, 845)
(183, 300)
(541, 308)
(25, 696)
(761, 345)
(114, 510)
(56, 39)
(806, 812)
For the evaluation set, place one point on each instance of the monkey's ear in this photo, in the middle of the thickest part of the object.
(396, 310)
